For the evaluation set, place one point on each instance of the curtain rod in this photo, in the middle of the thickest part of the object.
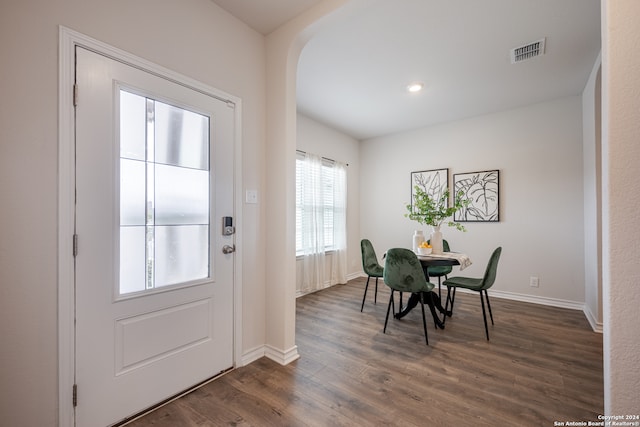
(324, 158)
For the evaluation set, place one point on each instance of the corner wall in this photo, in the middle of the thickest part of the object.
(538, 150)
(317, 138)
(621, 202)
(190, 37)
(283, 51)
(592, 166)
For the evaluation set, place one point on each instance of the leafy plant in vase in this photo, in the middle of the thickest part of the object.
(428, 211)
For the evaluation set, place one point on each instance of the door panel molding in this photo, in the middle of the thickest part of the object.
(68, 41)
(134, 330)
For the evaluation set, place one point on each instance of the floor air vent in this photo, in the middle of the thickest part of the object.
(528, 51)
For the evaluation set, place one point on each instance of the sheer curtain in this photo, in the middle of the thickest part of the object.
(321, 211)
(339, 260)
(313, 256)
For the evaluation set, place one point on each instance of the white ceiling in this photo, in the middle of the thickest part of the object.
(352, 76)
(265, 16)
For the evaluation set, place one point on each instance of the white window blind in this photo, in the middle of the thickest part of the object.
(318, 191)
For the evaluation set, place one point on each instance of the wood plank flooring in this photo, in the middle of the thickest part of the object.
(542, 365)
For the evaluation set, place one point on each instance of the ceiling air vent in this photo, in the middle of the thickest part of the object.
(528, 51)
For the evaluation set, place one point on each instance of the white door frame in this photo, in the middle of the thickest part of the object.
(68, 40)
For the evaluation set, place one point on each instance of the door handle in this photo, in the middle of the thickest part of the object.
(226, 249)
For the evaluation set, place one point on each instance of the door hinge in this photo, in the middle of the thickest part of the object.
(75, 245)
(75, 95)
(75, 395)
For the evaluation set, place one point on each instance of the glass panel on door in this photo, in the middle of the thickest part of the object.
(164, 194)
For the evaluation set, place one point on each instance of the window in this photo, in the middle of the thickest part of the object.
(164, 194)
(320, 204)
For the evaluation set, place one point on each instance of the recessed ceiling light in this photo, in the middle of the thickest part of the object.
(415, 87)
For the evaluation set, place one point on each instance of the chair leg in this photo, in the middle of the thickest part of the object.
(436, 319)
(451, 296)
(386, 320)
(393, 303)
(365, 293)
(484, 316)
(446, 305)
(375, 296)
(424, 320)
(486, 294)
(440, 286)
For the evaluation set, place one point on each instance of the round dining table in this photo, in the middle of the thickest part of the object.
(427, 261)
(432, 261)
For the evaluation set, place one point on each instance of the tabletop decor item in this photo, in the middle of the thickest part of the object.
(424, 248)
(429, 211)
(418, 239)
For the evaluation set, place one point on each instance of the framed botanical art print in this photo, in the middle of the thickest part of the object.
(433, 182)
(482, 191)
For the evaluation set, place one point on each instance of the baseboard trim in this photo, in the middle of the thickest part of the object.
(355, 275)
(282, 357)
(552, 302)
(328, 284)
(595, 325)
(252, 355)
(279, 356)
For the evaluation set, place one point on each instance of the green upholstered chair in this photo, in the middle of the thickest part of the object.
(403, 273)
(440, 270)
(479, 285)
(370, 266)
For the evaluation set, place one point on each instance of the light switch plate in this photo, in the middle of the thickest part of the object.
(251, 196)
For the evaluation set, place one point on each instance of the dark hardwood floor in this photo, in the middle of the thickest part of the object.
(542, 365)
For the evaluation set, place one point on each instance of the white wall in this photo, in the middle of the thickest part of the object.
(538, 150)
(283, 48)
(621, 201)
(192, 37)
(317, 138)
(592, 166)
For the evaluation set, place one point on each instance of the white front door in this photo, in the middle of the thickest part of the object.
(154, 290)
